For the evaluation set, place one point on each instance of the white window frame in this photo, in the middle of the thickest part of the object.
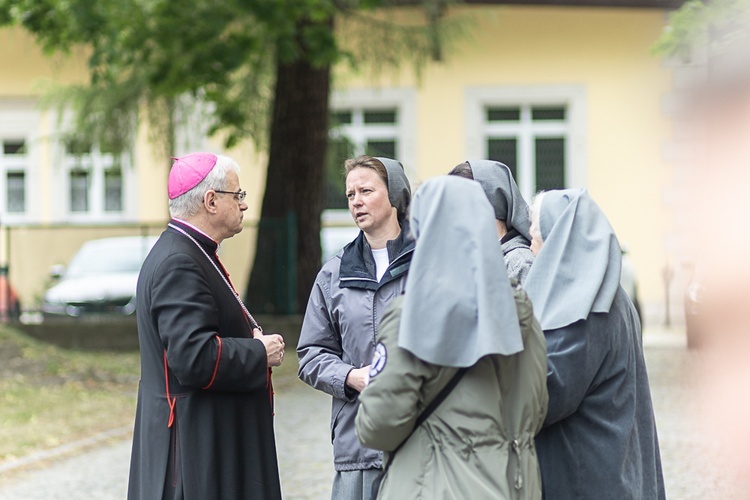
(20, 121)
(403, 100)
(95, 162)
(478, 130)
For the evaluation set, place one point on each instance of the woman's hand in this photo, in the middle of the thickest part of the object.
(358, 377)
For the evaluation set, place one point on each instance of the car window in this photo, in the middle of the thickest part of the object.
(109, 257)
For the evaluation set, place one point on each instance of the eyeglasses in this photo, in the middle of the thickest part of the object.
(238, 195)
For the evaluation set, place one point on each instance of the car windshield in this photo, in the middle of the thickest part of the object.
(109, 257)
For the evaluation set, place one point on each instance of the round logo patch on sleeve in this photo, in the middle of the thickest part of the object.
(378, 360)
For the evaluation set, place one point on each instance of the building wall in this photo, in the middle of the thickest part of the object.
(598, 58)
(46, 234)
(602, 53)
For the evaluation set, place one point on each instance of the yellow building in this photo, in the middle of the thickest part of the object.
(566, 95)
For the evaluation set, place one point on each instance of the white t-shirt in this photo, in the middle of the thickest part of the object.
(381, 261)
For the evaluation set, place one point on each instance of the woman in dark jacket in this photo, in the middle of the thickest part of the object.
(599, 437)
(347, 301)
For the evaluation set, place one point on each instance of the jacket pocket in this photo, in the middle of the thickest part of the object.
(336, 408)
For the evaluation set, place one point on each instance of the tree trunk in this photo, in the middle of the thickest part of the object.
(288, 252)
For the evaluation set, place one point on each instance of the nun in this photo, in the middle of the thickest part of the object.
(511, 212)
(435, 399)
(599, 437)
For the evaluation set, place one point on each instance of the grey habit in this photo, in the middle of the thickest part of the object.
(399, 189)
(451, 313)
(497, 182)
(338, 335)
(599, 438)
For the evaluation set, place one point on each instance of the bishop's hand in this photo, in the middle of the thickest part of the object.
(274, 344)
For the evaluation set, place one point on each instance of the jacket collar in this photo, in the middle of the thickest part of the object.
(514, 240)
(205, 241)
(357, 268)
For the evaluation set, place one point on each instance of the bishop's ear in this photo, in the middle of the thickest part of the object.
(209, 201)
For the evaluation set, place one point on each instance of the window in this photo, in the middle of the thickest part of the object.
(533, 130)
(21, 145)
(96, 182)
(370, 131)
(376, 122)
(113, 190)
(535, 133)
(79, 191)
(16, 187)
(357, 131)
(14, 163)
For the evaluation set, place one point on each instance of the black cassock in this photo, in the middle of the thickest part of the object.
(205, 431)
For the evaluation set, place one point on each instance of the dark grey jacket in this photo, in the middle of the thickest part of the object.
(518, 255)
(599, 438)
(338, 335)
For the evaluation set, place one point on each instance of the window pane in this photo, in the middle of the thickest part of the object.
(550, 163)
(334, 195)
(504, 151)
(79, 191)
(386, 148)
(14, 147)
(556, 113)
(341, 118)
(16, 185)
(380, 116)
(113, 190)
(503, 114)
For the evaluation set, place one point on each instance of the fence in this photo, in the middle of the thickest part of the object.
(28, 253)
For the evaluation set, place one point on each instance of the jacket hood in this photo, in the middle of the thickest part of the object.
(458, 306)
(502, 191)
(577, 271)
(399, 189)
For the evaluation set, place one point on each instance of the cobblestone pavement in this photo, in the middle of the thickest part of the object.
(305, 457)
(302, 438)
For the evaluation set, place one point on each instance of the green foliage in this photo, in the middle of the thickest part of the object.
(686, 26)
(150, 54)
(708, 28)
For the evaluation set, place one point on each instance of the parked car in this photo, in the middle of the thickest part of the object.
(333, 239)
(337, 231)
(100, 279)
(10, 305)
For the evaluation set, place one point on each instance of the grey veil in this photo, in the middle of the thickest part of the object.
(459, 306)
(577, 271)
(502, 191)
(399, 189)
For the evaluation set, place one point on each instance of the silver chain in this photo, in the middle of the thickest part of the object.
(223, 277)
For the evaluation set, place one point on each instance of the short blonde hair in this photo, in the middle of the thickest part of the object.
(370, 162)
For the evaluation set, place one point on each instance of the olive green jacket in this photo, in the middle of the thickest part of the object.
(479, 442)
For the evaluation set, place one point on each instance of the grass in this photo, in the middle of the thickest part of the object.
(51, 396)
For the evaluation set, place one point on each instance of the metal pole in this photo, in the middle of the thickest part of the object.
(5, 289)
(291, 252)
(667, 274)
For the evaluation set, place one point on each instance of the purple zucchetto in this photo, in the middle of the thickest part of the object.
(188, 171)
